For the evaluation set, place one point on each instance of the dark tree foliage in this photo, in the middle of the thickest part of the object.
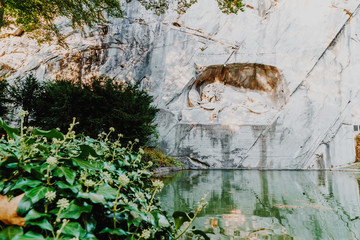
(24, 93)
(97, 106)
(4, 101)
(3, 98)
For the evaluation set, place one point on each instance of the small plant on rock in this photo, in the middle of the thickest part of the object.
(158, 159)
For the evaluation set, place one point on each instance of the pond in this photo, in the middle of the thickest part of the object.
(251, 204)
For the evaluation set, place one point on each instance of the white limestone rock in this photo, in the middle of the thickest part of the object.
(303, 119)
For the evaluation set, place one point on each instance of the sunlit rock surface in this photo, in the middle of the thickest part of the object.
(273, 87)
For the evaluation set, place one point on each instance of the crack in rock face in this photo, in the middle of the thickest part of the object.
(242, 89)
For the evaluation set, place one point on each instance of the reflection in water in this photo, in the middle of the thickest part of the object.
(269, 204)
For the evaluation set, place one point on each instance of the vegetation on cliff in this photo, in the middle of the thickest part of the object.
(39, 16)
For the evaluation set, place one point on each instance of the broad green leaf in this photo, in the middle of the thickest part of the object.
(26, 167)
(89, 223)
(24, 206)
(130, 238)
(43, 223)
(31, 236)
(7, 160)
(140, 216)
(163, 222)
(118, 231)
(68, 173)
(160, 219)
(180, 218)
(74, 229)
(11, 232)
(36, 172)
(74, 211)
(53, 133)
(133, 157)
(33, 214)
(37, 193)
(43, 168)
(86, 150)
(87, 164)
(25, 183)
(11, 165)
(107, 191)
(6, 189)
(95, 198)
(147, 217)
(201, 233)
(11, 132)
(42, 148)
(74, 188)
(90, 236)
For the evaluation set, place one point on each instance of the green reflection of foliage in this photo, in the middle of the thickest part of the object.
(170, 178)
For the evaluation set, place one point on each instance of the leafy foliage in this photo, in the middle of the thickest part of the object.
(226, 6)
(3, 98)
(95, 187)
(39, 15)
(4, 101)
(98, 106)
(231, 6)
(159, 159)
(24, 93)
(80, 188)
(160, 6)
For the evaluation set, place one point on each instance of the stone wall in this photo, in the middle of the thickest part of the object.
(273, 87)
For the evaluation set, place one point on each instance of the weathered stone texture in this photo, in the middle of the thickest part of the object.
(273, 87)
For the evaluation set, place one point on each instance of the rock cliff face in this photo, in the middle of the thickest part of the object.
(273, 87)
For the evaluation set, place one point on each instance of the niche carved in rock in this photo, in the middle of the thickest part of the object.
(242, 92)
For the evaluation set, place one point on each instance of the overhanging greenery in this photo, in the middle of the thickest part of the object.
(30, 15)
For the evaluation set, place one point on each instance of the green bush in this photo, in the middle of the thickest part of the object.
(23, 94)
(3, 98)
(80, 188)
(99, 105)
(4, 101)
(159, 159)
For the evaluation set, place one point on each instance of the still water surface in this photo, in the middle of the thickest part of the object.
(268, 204)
